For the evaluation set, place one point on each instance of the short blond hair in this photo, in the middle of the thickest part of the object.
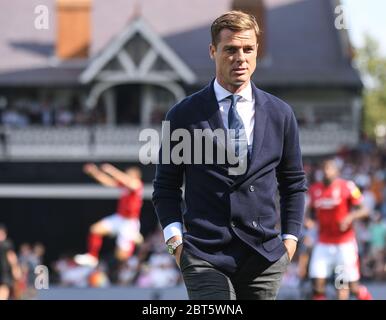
(234, 21)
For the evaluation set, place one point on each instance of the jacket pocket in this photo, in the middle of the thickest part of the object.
(270, 234)
(272, 244)
(267, 225)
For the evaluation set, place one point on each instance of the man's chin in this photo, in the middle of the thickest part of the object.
(239, 82)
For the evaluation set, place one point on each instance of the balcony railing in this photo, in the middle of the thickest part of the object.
(122, 143)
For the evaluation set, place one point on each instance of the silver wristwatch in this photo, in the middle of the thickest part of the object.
(172, 246)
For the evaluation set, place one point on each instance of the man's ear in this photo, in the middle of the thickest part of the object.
(212, 50)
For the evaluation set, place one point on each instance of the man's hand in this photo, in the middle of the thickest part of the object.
(108, 168)
(177, 254)
(290, 245)
(90, 168)
(346, 222)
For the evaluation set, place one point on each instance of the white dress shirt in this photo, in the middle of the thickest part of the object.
(246, 109)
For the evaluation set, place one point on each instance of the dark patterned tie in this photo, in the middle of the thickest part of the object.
(236, 123)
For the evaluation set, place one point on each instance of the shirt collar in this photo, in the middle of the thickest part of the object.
(221, 93)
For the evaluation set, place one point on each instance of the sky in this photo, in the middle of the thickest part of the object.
(366, 16)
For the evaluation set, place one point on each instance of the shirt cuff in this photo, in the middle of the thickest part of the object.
(289, 236)
(173, 229)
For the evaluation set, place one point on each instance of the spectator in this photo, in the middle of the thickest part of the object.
(377, 231)
(9, 266)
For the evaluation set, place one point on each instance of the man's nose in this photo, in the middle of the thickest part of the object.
(240, 56)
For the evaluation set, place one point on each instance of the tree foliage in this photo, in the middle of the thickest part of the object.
(372, 66)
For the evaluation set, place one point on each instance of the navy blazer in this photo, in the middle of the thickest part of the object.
(219, 207)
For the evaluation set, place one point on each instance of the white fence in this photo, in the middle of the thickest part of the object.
(326, 140)
(122, 143)
(72, 143)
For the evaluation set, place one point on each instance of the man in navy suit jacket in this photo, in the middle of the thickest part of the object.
(224, 240)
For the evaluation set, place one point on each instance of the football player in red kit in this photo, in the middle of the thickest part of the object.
(125, 223)
(337, 203)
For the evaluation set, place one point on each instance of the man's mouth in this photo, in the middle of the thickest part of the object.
(239, 70)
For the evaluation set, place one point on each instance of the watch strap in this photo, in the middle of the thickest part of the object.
(173, 246)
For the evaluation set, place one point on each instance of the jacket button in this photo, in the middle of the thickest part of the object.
(251, 188)
(254, 223)
(233, 224)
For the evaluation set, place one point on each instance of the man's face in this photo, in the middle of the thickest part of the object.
(330, 171)
(235, 58)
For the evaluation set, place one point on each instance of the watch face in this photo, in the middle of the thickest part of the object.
(170, 249)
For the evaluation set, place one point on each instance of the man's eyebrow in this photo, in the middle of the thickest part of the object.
(232, 46)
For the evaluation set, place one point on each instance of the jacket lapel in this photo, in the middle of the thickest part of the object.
(213, 114)
(212, 108)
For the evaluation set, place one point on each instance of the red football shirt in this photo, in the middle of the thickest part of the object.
(130, 202)
(332, 204)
